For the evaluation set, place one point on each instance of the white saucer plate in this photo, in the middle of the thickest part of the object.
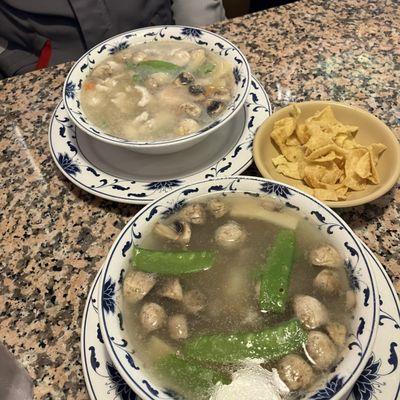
(121, 175)
(380, 379)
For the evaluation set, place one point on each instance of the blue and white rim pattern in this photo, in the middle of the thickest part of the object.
(380, 379)
(361, 277)
(79, 170)
(211, 41)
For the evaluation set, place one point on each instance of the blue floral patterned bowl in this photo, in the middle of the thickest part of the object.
(208, 40)
(361, 277)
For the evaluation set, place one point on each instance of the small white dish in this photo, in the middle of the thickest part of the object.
(380, 380)
(118, 174)
(205, 39)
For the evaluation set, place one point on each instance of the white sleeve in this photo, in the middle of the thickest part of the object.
(197, 12)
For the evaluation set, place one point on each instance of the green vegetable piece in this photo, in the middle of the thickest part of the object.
(151, 66)
(130, 65)
(172, 262)
(189, 376)
(275, 277)
(136, 78)
(269, 344)
(204, 69)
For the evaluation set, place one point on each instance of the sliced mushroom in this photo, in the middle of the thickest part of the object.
(321, 350)
(172, 289)
(325, 256)
(187, 126)
(230, 235)
(311, 312)
(137, 284)
(194, 301)
(217, 207)
(337, 332)
(197, 90)
(194, 214)
(184, 78)
(327, 282)
(179, 231)
(295, 372)
(214, 107)
(152, 316)
(190, 109)
(350, 300)
(177, 327)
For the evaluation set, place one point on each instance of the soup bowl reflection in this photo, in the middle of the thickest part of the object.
(363, 327)
(200, 37)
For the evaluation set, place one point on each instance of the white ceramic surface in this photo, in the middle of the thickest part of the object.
(117, 174)
(363, 327)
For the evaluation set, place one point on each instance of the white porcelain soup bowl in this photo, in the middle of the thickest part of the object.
(364, 324)
(208, 40)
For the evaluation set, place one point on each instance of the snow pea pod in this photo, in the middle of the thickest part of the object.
(275, 277)
(172, 262)
(189, 376)
(269, 344)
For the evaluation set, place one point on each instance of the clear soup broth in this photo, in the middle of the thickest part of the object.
(244, 291)
(158, 91)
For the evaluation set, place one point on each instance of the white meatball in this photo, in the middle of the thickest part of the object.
(327, 282)
(321, 350)
(217, 208)
(177, 327)
(326, 256)
(194, 214)
(230, 235)
(311, 312)
(152, 316)
(295, 372)
(137, 284)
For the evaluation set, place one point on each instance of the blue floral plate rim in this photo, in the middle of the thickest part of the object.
(79, 170)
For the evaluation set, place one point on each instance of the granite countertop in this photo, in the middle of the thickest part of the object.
(55, 236)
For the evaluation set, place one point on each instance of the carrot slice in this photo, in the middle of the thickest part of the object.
(89, 85)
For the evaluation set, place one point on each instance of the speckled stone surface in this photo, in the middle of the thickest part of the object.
(54, 236)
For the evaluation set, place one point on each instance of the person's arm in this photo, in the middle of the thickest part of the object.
(197, 12)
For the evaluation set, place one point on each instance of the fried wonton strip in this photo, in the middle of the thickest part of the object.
(375, 150)
(283, 129)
